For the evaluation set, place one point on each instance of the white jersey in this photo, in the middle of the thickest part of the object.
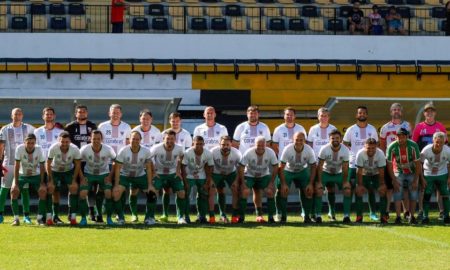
(195, 164)
(63, 162)
(97, 163)
(211, 135)
(283, 136)
(357, 137)
(319, 137)
(115, 136)
(258, 165)
(183, 138)
(151, 137)
(388, 131)
(133, 164)
(245, 134)
(165, 162)
(225, 165)
(12, 137)
(47, 137)
(435, 164)
(334, 160)
(297, 161)
(29, 162)
(370, 165)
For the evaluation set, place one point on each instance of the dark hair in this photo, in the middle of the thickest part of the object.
(79, 107)
(144, 112)
(371, 141)
(335, 132)
(289, 109)
(169, 132)
(253, 108)
(135, 131)
(30, 136)
(64, 135)
(226, 138)
(198, 139)
(94, 132)
(363, 108)
(175, 115)
(47, 109)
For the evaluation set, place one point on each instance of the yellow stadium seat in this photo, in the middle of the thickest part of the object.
(18, 9)
(3, 9)
(36, 1)
(39, 22)
(136, 10)
(3, 22)
(176, 11)
(413, 25)
(195, 11)
(78, 23)
(422, 13)
(252, 11)
(230, 1)
(55, 1)
(272, 12)
(316, 24)
(239, 23)
(430, 25)
(191, 1)
(286, 2)
(292, 12)
(378, 2)
(178, 24)
(248, 1)
(327, 12)
(153, 1)
(323, 2)
(214, 11)
(173, 1)
(433, 2)
(257, 24)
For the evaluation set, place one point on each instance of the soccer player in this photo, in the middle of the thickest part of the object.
(80, 134)
(97, 156)
(226, 161)
(29, 171)
(297, 164)
(355, 137)
(318, 134)
(133, 168)
(211, 131)
(284, 133)
(370, 164)
(403, 163)
(11, 136)
(63, 167)
(436, 158)
(257, 161)
(246, 132)
(167, 157)
(46, 136)
(333, 170)
(151, 135)
(196, 167)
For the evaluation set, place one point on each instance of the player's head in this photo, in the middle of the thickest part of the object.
(396, 111)
(48, 114)
(335, 137)
(438, 140)
(175, 120)
(81, 112)
(169, 137)
(429, 111)
(30, 142)
(289, 115)
(253, 114)
(64, 140)
(323, 115)
(17, 115)
(260, 143)
(361, 113)
(145, 118)
(115, 112)
(225, 144)
(209, 114)
(198, 142)
(135, 138)
(96, 137)
(299, 139)
(370, 145)
(402, 135)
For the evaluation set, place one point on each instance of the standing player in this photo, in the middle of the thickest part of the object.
(63, 167)
(133, 168)
(257, 162)
(298, 165)
(29, 170)
(403, 162)
(226, 161)
(196, 167)
(370, 163)
(46, 136)
(11, 136)
(151, 135)
(318, 134)
(97, 157)
(167, 157)
(333, 170)
(354, 138)
(80, 134)
(284, 133)
(436, 159)
(211, 131)
(246, 132)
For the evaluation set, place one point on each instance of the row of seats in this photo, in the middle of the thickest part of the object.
(42, 9)
(43, 23)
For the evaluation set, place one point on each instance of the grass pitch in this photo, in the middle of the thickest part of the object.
(226, 246)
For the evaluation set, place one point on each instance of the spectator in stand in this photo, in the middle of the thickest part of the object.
(394, 22)
(447, 9)
(356, 19)
(117, 11)
(375, 22)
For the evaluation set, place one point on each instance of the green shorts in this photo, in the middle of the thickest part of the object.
(371, 181)
(139, 182)
(220, 179)
(439, 182)
(199, 183)
(33, 181)
(168, 181)
(332, 179)
(351, 175)
(300, 179)
(62, 178)
(96, 180)
(257, 182)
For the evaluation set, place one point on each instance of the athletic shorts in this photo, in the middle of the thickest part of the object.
(257, 182)
(199, 183)
(33, 181)
(168, 181)
(139, 182)
(300, 179)
(62, 178)
(93, 180)
(371, 182)
(220, 180)
(439, 182)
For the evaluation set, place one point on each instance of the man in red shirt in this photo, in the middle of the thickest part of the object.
(117, 11)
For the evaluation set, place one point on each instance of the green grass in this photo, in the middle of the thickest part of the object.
(247, 246)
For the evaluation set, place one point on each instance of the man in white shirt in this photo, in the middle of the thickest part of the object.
(246, 132)
(318, 134)
(284, 133)
(151, 135)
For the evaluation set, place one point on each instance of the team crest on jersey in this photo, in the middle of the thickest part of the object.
(141, 160)
(260, 132)
(42, 137)
(108, 132)
(266, 160)
(356, 134)
(341, 158)
(153, 138)
(285, 135)
(181, 140)
(370, 134)
(103, 158)
(246, 131)
(121, 133)
(217, 132)
(90, 157)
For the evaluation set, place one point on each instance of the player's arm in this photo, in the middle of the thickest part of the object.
(16, 172)
(208, 172)
(320, 172)
(383, 144)
(241, 173)
(448, 178)
(77, 170)
(348, 144)
(2, 150)
(42, 172)
(313, 171)
(345, 172)
(117, 167)
(281, 174)
(390, 170)
(417, 174)
(149, 169)
(48, 168)
(235, 144)
(274, 174)
(359, 179)
(275, 147)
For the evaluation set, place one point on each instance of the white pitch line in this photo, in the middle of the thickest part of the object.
(410, 236)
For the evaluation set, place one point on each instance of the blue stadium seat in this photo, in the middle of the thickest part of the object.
(309, 11)
(443, 25)
(414, 2)
(219, 24)
(233, 10)
(210, 1)
(405, 12)
(363, 2)
(139, 23)
(395, 2)
(58, 23)
(438, 12)
(38, 9)
(156, 10)
(57, 9)
(199, 24)
(296, 25)
(383, 10)
(335, 25)
(344, 10)
(76, 9)
(266, 1)
(19, 23)
(160, 23)
(304, 1)
(277, 24)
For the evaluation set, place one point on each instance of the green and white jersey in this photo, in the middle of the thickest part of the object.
(435, 164)
(225, 165)
(333, 160)
(115, 136)
(370, 165)
(47, 137)
(165, 162)
(357, 137)
(63, 162)
(133, 164)
(97, 163)
(258, 165)
(282, 135)
(211, 135)
(245, 134)
(297, 161)
(183, 138)
(195, 164)
(318, 137)
(29, 162)
(150, 137)
(12, 137)
(403, 158)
